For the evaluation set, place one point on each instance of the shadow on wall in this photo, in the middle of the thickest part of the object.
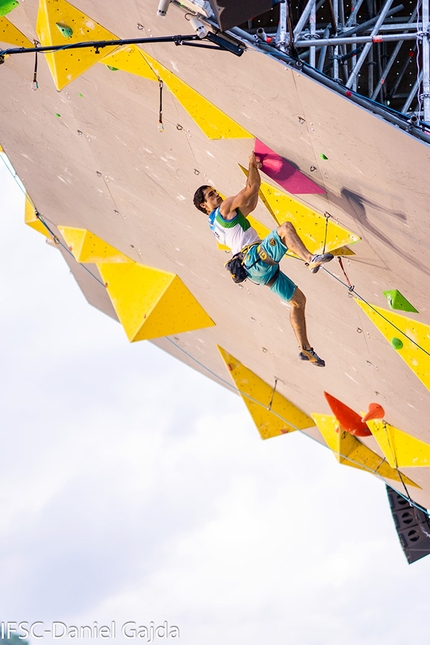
(356, 206)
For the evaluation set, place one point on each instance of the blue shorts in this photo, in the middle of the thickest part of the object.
(260, 272)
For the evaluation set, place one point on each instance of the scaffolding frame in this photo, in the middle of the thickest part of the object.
(375, 54)
(342, 48)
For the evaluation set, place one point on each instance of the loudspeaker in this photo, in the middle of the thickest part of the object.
(412, 526)
(230, 13)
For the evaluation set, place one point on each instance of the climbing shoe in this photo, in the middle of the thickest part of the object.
(320, 259)
(311, 356)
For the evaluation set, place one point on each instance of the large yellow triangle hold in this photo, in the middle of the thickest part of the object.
(60, 23)
(349, 451)
(411, 339)
(11, 35)
(401, 449)
(130, 59)
(212, 121)
(32, 220)
(151, 303)
(315, 230)
(87, 247)
(282, 417)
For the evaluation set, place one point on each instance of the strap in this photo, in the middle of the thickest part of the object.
(247, 247)
(264, 257)
(273, 279)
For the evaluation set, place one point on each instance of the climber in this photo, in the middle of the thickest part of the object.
(227, 220)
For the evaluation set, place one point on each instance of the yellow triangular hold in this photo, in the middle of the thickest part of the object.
(262, 230)
(401, 449)
(283, 415)
(312, 227)
(31, 219)
(212, 121)
(413, 337)
(130, 59)
(350, 451)
(11, 35)
(151, 303)
(342, 250)
(87, 247)
(57, 15)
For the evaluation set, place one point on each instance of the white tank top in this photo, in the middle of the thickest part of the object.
(234, 233)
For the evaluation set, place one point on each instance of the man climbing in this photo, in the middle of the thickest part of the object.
(227, 220)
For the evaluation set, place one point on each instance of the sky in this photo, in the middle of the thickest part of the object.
(134, 489)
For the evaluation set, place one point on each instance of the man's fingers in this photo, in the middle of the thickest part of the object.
(255, 161)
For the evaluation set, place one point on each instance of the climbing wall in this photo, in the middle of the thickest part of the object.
(111, 143)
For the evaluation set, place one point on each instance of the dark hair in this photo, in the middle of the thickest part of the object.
(199, 198)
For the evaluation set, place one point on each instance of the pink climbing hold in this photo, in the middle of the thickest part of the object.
(284, 173)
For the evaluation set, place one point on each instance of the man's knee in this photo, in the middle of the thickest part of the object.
(299, 299)
(285, 229)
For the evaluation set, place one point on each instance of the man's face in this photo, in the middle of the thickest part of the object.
(212, 199)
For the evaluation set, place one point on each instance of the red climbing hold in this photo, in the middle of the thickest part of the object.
(348, 419)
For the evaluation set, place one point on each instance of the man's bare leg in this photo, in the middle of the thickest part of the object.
(297, 318)
(298, 323)
(289, 237)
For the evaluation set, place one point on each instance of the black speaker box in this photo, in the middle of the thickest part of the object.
(412, 526)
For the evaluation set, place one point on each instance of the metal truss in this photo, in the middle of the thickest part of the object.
(371, 47)
(370, 51)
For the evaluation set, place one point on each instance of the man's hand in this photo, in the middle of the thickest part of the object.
(254, 161)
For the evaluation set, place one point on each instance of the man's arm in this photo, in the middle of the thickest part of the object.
(247, 198)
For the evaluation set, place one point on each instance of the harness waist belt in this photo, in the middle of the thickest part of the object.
(273, 279)
(264, 257)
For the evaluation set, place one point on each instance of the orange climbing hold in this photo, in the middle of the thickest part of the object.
(347, 418)
(375, 411)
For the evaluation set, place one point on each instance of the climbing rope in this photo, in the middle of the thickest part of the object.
(224, 381)
(279, 416)
(57, 240)
(352, 291)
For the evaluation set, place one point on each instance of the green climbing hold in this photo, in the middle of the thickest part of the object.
(396, 343)
(397, 301)
(66, 31)
(322, 155)
(58, 114)
(112, 69)
(6, 6)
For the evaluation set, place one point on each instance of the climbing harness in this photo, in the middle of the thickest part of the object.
(239, 271)
(236, 268)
